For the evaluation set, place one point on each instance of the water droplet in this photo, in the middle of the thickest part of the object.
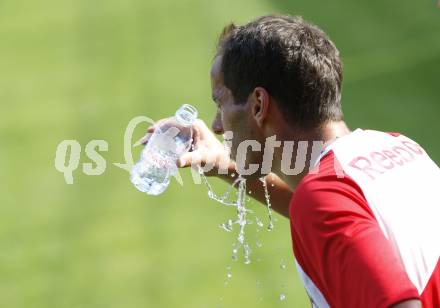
(270, 226)
(227, 226)
(282, 296)
(259, 244)
(229, 275)
(259, 222)
(283, 264)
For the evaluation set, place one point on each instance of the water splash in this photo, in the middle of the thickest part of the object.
(223, 199)
(241, 214)
(241, 221)
(269, 205)
(240, 203)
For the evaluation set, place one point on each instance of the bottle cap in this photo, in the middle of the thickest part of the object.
(186, 114)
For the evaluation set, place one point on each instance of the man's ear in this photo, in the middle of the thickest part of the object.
(260, 107)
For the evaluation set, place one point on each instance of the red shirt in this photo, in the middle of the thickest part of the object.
(364, 223)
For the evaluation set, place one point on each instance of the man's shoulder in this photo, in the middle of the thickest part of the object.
(332, 178)
(324, 187)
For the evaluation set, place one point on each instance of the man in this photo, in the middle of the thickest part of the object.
(364, 213)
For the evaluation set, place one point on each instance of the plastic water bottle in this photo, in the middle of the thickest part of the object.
(172, 138)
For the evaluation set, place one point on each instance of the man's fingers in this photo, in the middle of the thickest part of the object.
(186, 160)
(206, 160)
(197, 157)
(195, 138)
(147, 136)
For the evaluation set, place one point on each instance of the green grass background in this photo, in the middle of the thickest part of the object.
(82, 69)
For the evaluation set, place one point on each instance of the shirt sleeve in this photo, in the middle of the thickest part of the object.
(339, 244)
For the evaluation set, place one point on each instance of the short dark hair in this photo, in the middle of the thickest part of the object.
(293, 60)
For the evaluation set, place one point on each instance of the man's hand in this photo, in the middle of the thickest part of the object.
(413, 303)
(206, 151)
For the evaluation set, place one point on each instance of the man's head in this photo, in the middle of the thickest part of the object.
(275, 70)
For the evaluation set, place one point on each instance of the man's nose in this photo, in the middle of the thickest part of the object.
(217, 126)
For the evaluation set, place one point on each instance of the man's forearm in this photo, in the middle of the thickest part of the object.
(413, 303)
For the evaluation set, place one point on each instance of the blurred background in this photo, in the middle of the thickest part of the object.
(83, 69)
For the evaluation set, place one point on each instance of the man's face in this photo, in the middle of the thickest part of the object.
(230, 116)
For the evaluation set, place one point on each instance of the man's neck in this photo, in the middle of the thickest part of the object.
(322, 138)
